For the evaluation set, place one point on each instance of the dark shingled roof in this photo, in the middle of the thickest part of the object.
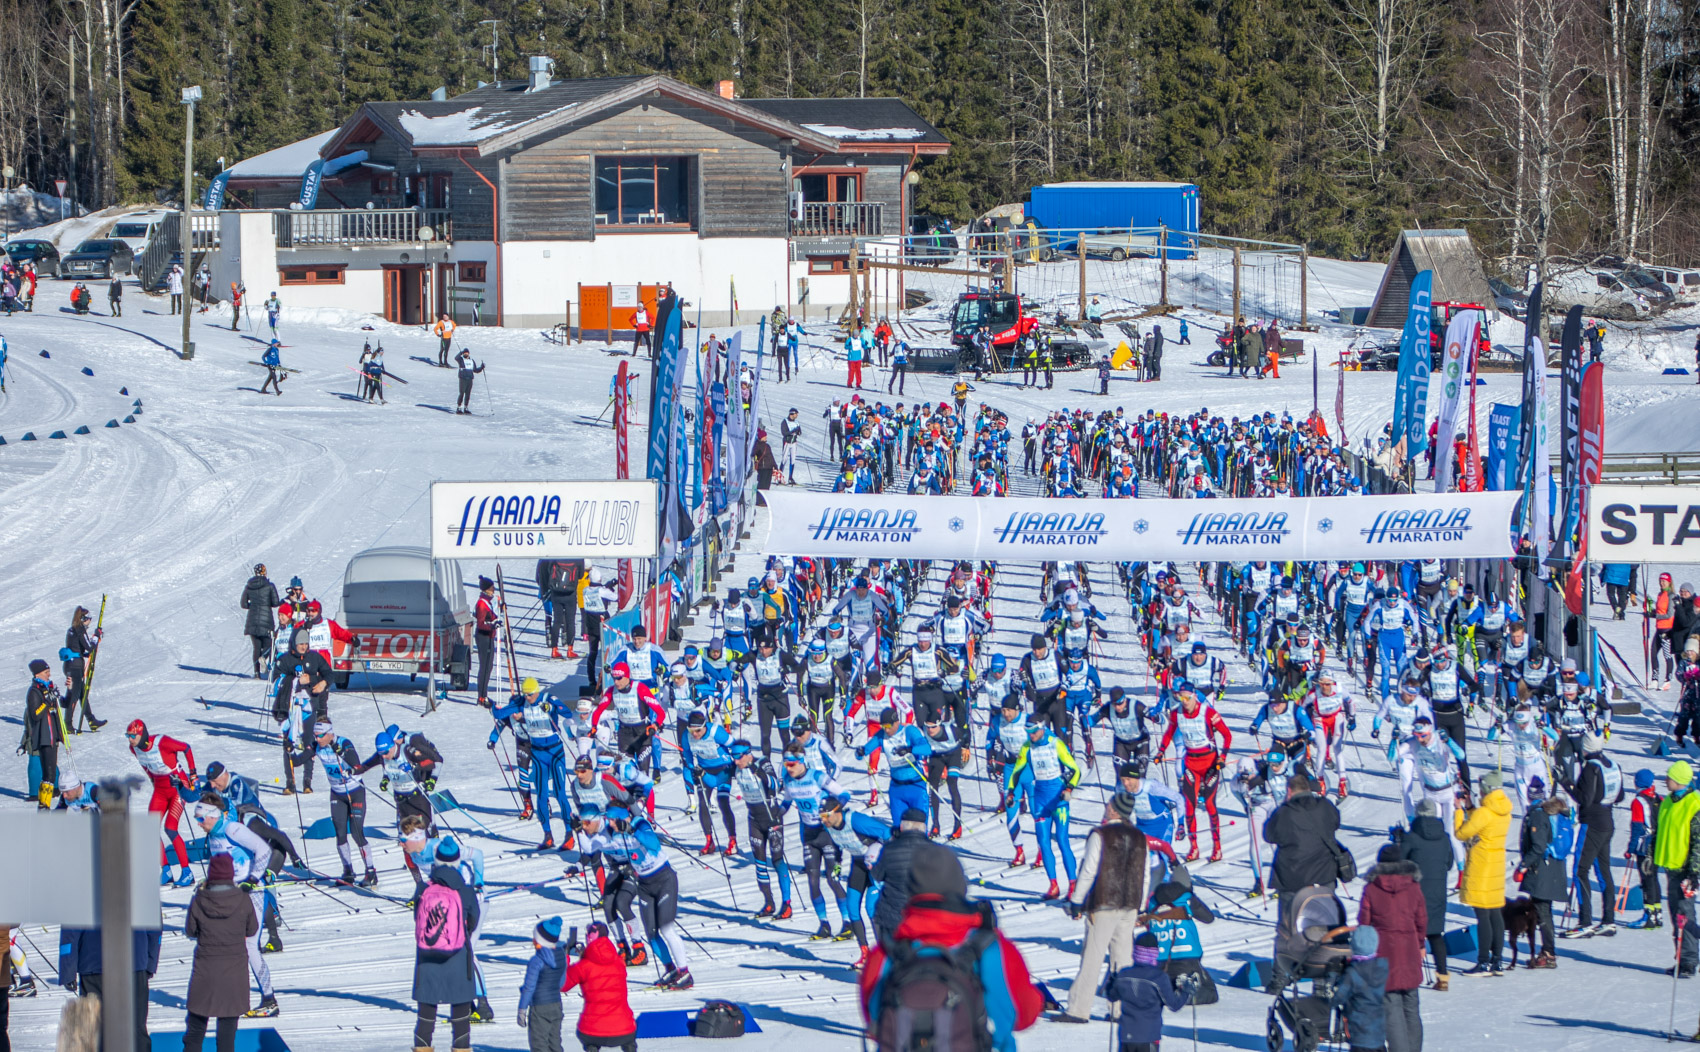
(501, 106)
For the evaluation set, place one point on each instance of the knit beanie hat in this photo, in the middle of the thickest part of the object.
(1145, 949)
(549, 931)
(1365, 941)
(221, 869)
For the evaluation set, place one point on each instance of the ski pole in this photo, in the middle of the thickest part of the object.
(302, 822)
(1676, 972)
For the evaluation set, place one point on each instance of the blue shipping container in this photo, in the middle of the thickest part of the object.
(1140, 205)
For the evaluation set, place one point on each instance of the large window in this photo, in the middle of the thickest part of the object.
(645, 191)
(315, 274)
(828, 187)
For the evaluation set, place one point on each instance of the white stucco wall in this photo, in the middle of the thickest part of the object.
(540, 277)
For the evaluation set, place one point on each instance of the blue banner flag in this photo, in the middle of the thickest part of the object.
(1410, 399)
(1504, 441)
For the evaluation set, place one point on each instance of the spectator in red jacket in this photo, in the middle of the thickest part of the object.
(939, 914)
(1394, 906)
(607, 1020)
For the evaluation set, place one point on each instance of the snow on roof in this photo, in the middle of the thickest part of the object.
(1112, 185)
(843, 134)
(285, 162)
(464, 126)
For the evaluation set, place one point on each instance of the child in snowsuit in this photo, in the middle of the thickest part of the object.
(1144, 990)
(1362, 993)
(540, 995)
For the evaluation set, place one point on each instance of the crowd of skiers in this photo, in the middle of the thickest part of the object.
(841, 668)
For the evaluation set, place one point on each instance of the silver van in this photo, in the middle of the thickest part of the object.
(388, 598)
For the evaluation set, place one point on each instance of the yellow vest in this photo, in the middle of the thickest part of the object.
(1670, 845)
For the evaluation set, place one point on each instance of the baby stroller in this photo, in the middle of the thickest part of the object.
(1303, 950)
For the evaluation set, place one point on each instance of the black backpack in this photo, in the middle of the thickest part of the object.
(931, 999)
(719, 1019)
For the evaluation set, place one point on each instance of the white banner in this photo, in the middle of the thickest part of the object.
(1456, 353)
(616, 518)
(1032, 529)
(1652, 524)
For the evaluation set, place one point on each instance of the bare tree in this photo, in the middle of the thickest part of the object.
(1515, 149)
(1376, 53)
(1632, 59)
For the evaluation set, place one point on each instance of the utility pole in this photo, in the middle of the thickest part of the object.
(492, 23)
(190, 97)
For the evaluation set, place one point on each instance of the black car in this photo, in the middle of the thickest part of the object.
(1511, 302)
(98, 258)
(42, 253)
(931, 241)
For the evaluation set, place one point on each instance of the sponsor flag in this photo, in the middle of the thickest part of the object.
(622, 465)
(663, 418)
(1410, 398)
(1340, 401)
(1473, 481)
(1504, 446)
(1457, 360)
(213, 198)
(1570, 426)
(733, 457)
(1592, 424)
(754, 422)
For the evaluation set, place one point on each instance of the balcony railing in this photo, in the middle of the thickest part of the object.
(840, 219)
(360, 226)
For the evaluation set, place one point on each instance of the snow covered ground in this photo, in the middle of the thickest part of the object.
(167, 514)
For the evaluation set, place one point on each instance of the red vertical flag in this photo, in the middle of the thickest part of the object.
(1472, 480)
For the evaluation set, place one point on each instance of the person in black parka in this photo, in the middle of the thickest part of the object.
(221, 919)
(1541, 878)
(259, 598)
(1428, 845)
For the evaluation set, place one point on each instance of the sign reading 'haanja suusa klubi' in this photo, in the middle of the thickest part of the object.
(611, 518)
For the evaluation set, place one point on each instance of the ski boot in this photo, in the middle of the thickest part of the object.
(956, 834)
(23, 986)
(273, 943)
(1605, 931)
(666, 978)
(185, 878)
(873, 798)
(767, 909)
(347, 878)
(482, 1012)
(570, 842)
(548, 843)
(571, 653)
(844, 933)
(1344, 790)
(1020, 857)
(165, 876)
(1071, 885)
(823, 932)
(267, 1009)
(934, 832)
(1053, 892)
(681, 980)
(370, 880)
(784, 911)
(862, 958)
(1256, 891)
(708, 848)
(555, 653)
(1192, 852)
(1216, 852)
(526, 812)
(638, 955)
(731, 847)
(1653, 917)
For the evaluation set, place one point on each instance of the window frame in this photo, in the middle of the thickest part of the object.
(316, 270)
(691, 164)
(472, 270)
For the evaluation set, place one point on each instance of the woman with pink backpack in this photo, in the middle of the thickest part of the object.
(443, 971)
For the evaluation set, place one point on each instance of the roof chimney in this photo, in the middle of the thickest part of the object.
(541, 68)
(440, 95)
(724, 89)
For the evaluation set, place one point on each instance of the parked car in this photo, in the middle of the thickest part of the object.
(137, 230)
(102, 257)
(1606, 293)
(1118, 245)
(42, 252)
(1510, 301)
(388, 602)
(931, 241)
(1649, 285)
(1682, 282)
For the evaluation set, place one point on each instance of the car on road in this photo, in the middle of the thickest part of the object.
(100, 257)
(38, 250)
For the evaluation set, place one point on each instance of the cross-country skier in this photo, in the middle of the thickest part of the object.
(169, 765)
